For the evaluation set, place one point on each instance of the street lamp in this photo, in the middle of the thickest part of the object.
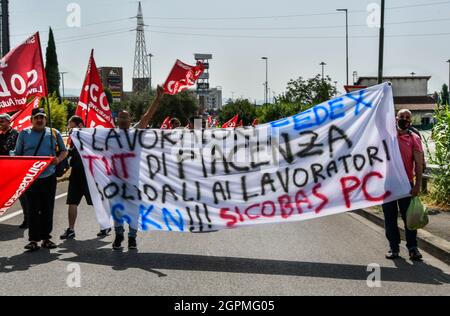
(266, 84)
(448, 80)
(150, 55)
(62, 73)
(323, 64)
(381, 45)
(346, 38)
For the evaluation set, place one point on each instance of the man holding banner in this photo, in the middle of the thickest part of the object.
(412, 155)
(37, 141)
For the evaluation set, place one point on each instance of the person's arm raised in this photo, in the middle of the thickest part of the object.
(147, 117)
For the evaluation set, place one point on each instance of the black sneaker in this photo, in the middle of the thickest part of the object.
(117, 244)
(415, 255)
(24, 225)
(391, 255)
(48, 244)
(132, 243)
(68, 234)
(104, 232)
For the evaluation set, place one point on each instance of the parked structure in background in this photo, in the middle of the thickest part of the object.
(112, 78)
(214, 99)
(203, 82)
(410, 92)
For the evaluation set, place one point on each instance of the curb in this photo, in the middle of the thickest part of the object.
(435, 246)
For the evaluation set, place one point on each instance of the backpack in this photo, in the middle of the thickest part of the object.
(63, 166)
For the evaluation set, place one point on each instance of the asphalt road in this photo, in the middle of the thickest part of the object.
(327, 256)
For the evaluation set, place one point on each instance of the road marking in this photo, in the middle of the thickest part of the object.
(5, 218)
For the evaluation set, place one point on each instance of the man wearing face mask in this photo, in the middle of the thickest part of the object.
(413, 159)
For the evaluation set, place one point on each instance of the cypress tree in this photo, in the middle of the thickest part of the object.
(51, 66)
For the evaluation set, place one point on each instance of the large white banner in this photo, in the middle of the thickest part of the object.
(339, 156)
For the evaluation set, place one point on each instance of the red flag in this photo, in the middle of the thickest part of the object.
(255, 122)
(182, 77)
(231, 123)
(93, 106)
(241, 123)
(22, 119)
(22, 171)
(210, 121)
(167, 124)
(22, 75)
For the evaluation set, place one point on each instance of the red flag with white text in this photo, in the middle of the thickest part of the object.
(182, 77)
(22, 171)
(22, 75)
(22, 119)
(210, 121)
(231, 123)
(93, 106)
(166, 123)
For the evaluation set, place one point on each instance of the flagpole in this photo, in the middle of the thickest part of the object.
(46, 93)
(87, 103)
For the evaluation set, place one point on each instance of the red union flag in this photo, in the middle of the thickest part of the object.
(22, 171)
(22, 119)
(182, 77)
(231, 123)
(166, 124)
(93, 106)
(22, 75)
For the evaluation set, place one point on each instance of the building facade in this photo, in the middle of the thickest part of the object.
(112, 78)
(410, 92)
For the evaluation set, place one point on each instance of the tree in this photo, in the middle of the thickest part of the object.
(136, 104)
(71, 108)
(58, 112)
(243, 107)
(311, 91)
(182, 106)
(109, 95)
(436, 97)
(51, 66)
(273, 112)
(441, 156)
(444, 95)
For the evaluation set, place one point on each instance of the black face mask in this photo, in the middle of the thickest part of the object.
(403, 124)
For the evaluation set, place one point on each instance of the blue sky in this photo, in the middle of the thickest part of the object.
(295, 35)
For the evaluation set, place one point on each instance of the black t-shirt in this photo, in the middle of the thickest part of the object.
(8, 141)
(75, 161)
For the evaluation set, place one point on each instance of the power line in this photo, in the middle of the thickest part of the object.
(91, 37)
(92, 34)
(292, 15)
(75, 28)
(296, 37)
(292, 27)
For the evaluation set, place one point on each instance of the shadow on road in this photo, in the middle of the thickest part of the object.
(89, 252)
(26, 261)
(95, 252)
(10, 232)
